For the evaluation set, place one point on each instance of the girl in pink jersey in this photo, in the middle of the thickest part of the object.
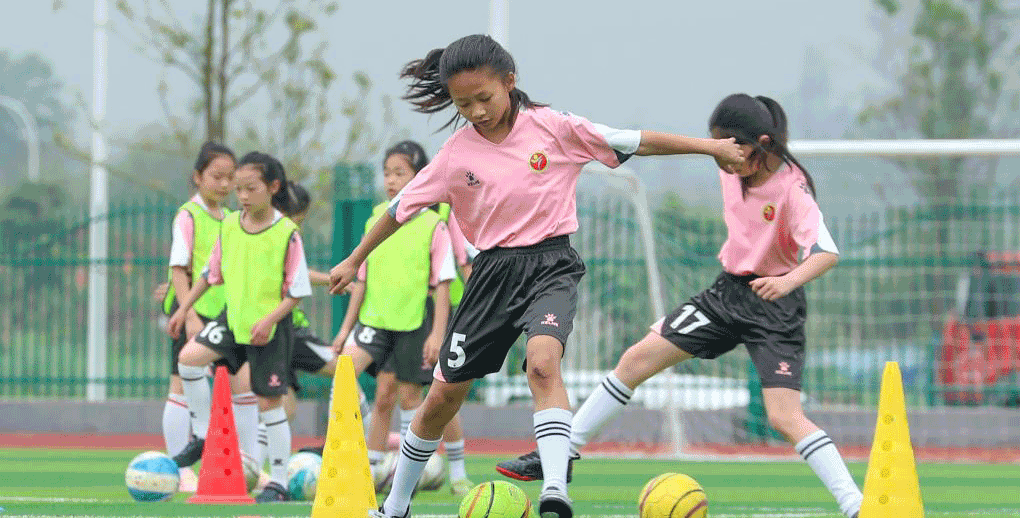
(510, 177)
(776, 243)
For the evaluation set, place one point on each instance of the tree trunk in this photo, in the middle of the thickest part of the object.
(224, 57)
(211, 132)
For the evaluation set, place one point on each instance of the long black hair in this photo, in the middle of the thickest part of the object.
(209, 152)
(429, 76)
(415, 154)
(746, 118)
(271, 169)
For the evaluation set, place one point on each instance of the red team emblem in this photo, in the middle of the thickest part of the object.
(539, 161)
(769, 212)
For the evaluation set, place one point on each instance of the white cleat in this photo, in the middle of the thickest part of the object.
(189, 481)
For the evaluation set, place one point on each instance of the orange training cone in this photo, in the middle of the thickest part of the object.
(221, 480)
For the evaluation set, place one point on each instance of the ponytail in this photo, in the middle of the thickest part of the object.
(779, 122)
(429, 75)
(272, 170)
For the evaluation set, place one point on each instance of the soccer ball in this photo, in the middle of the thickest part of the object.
(303, 475)
(434, 475)
(382, 475)
(152, 477)
(252, 471)
(672, 494)
(495, 499)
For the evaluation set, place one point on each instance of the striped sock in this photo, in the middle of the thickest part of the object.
(455, 457)
(263, 448)
(278, 432)
(414, 453)
(405, 420)
(552, 432)
(176, 423)
(821, 454)
(246, 421)
(605, 402)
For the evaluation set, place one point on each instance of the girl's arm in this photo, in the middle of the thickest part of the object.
(656, 143)
(342, 274)
(771, 288)
(441, 296)
(351, 317)
(177, 320)
(182, 285)
(318, 278)
(260, 331)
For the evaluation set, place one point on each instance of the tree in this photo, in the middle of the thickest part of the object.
(954, 76)
(30, 79)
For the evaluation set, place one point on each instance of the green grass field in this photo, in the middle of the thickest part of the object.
(44, 482)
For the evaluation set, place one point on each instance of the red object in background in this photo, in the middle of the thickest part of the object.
(980, 350)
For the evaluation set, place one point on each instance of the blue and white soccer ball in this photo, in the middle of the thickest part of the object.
(303, 475)
(152, 477)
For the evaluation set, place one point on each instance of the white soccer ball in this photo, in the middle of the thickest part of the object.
(152, 476)
(434, 475)
(302, 460)
(383, 473)
(252, 471)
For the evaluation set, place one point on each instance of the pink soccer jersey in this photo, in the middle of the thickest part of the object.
(773, 227)
(520, 191)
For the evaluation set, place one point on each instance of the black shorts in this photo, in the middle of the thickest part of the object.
(399, 352)
(728, 314)
(270, 363)
(310, 354)
(531, 289)
(177, 344)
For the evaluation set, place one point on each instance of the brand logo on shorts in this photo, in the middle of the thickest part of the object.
(550, 320)
(768, 212)
(274, 380)
(784, 369)
(539, 161)
(471, 179)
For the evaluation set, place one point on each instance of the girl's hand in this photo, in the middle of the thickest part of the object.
(176, 322)
(430, 354)
(772, 288)
(728, 153)
(260, 332)
(341, 275)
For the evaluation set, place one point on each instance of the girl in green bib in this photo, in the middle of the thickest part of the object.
(398, 314)
(259, 260)
(195, 229)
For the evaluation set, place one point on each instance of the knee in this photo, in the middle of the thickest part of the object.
(543, 370)
(785, 422)
(191, 355)
(385, 398)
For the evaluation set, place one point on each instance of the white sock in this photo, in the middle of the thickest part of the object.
(821, 454)
(278, 431)
(605, 402)
(199, 396)
(262, 453)
(246, 421)
(405, 420)
(176, 423)
(366, 409)
(455, 457)
(375, 458)
(552, 432)
(414, 453)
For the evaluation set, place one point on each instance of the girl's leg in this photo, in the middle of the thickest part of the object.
(641, 361)
(787, 415)
(453, 437)
(382, 416)
(273, 415)
(410, 400)
(552, 409)
(192, 367)
(176, 419)
(422, 439)
(246, 413)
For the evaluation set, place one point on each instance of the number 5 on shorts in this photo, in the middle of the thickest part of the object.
(699, 320)
(458, 355)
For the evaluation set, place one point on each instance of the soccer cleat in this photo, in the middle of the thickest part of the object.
(273, 492)
(554, 503)
(461, 486)
(382, 514)
(189, 481)
(313, 449)
(528, 467)
(191, 453)
(855, 514)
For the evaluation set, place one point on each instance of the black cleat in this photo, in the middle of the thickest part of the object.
(273, 492)
(528, 467)
(855, 514)
(313, 449)
(191, 453)
(554, 503)
(382, 514)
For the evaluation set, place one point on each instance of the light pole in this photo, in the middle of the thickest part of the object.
(499, 22)
(98, 214)
(30, 130)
